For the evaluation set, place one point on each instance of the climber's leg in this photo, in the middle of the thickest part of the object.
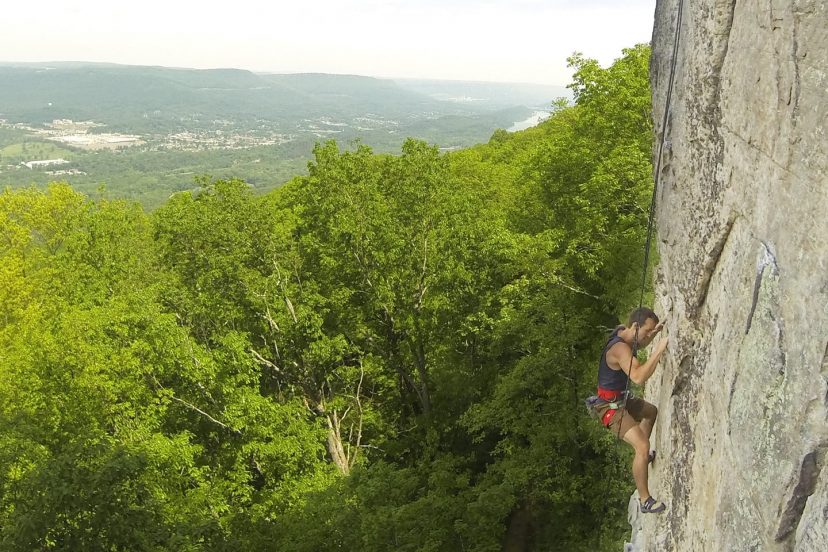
(647, 414)
(641, 444)
(643, 413)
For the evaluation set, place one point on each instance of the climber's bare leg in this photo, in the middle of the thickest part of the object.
(649, 413)
(640, 442)
(646, 426)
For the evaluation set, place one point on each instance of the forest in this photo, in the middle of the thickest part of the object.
(390, 352)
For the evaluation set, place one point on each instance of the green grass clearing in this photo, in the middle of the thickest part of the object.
(33, 151)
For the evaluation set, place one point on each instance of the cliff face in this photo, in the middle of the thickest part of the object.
(743, 280)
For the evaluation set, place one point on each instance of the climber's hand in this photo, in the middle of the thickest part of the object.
(658, 328)
(661, 346)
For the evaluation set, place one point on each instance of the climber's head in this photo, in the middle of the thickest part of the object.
(646, 321)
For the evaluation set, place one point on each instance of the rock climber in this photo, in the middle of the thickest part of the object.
(629, 418)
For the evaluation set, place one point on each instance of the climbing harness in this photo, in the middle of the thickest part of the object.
(615, 401)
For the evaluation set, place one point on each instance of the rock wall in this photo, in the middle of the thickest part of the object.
(743, 278)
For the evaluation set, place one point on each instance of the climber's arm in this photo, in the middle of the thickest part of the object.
(620, 356)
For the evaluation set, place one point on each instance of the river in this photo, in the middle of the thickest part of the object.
(533, 120)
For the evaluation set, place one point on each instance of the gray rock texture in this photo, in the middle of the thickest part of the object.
(743, 278)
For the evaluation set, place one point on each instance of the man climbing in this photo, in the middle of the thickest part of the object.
(631, 419)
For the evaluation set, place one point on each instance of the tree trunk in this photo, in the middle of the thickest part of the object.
(335, 448)
(418, 351)
(519, 533)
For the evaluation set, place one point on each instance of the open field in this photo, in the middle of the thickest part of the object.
(32, 151)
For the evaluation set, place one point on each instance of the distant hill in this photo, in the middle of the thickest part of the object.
(261, 127)
(490, 95)
(146, 99)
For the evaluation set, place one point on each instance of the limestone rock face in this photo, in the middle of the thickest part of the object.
(743, 278)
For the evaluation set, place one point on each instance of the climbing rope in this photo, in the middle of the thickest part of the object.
(651, 219)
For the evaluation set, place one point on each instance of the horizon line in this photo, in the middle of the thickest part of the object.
(274, 72)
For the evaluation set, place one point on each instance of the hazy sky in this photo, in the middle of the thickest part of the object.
(494, 40)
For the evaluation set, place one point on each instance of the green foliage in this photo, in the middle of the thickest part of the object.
(388, 353)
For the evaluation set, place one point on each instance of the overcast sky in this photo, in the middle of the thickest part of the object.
(488, 40)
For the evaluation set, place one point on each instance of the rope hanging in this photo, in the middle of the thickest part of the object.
(651, 219)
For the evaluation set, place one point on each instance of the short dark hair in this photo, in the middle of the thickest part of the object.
(641, 315)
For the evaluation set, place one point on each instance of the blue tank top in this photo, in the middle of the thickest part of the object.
(613, 380)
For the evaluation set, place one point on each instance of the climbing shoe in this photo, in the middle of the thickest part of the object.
(652, 506)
